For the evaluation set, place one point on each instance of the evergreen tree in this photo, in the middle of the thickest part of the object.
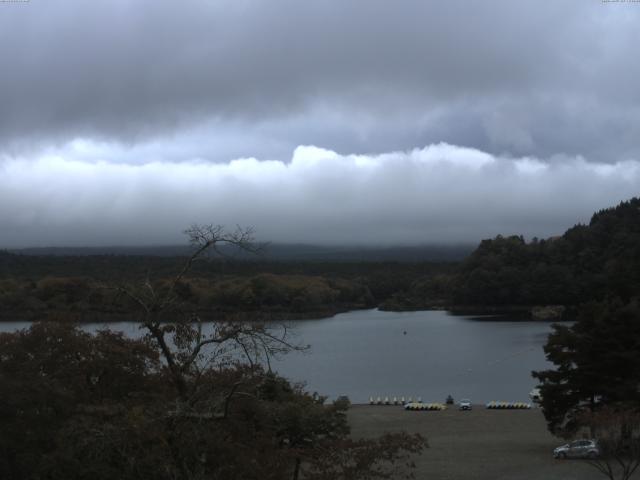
(597, 363)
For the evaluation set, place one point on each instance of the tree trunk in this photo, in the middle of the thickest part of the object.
(296, 470)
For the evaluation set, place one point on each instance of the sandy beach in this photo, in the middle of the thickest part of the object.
(480, 445)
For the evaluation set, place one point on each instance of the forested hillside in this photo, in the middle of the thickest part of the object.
(588, 262)
(84, 287)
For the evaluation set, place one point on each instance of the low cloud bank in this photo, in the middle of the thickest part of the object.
(438, 194)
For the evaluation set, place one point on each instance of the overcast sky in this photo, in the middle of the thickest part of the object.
(361, 122)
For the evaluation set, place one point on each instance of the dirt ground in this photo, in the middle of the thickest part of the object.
(480, 445)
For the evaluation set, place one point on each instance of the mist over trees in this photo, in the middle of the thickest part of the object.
(588, 262)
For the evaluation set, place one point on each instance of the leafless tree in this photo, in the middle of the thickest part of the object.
(617, 433)
(187, 347)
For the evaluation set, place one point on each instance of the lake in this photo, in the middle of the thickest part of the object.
(429, 354)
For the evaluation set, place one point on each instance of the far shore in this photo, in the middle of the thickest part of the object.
(508, 313)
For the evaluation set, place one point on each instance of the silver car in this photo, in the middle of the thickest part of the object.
(578, 449)
(465, 404)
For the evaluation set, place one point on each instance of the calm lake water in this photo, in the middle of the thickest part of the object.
(430, 354)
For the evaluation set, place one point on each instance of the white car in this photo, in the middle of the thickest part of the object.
(465, 404)
(578, 449)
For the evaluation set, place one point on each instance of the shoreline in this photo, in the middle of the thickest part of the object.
(489, 313)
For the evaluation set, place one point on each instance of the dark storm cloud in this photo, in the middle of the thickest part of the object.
(526, 78)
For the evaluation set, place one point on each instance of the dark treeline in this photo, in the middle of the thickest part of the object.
(594, 261)
(281, 252)
(588, 262)
(33, 286)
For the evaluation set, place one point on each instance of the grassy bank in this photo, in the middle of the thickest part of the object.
(479, 445)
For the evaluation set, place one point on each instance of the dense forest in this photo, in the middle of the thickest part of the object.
(594, 261)
(81, 286)
(588, 262)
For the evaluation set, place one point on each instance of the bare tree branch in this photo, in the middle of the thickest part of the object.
(181, 340)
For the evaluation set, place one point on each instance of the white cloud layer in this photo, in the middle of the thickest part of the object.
(440, 193)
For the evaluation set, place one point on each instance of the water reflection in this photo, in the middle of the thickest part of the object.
(368, 353)
(430, 354)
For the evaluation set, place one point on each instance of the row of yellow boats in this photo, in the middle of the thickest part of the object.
(410, 404)
(393, 400)
(425, 406)
(508, 405)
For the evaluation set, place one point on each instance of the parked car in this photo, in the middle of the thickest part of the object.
(535, 395)
(465, 404)
(578, 449)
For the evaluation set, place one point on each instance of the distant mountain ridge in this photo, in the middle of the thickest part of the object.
(280, 252)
